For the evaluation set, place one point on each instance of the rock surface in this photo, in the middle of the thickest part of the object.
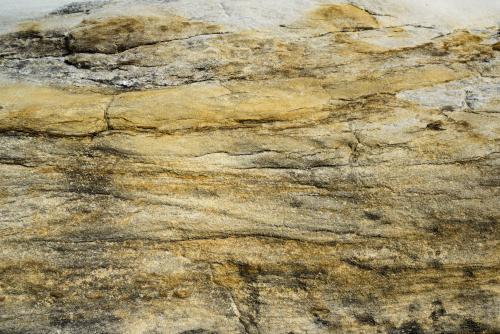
(251, 167)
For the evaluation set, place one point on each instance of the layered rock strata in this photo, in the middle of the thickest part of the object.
(333, 171)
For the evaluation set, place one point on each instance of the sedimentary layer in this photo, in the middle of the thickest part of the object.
(333, 172)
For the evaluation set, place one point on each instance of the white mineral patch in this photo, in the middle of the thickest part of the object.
(444, 15)
(13, 11)
(476, 94)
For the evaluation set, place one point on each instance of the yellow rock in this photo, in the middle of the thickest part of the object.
(42, 109)
(394, 81)
(341, 17)
(214, 105)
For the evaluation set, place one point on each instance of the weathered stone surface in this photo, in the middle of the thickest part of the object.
(28, 108)
(117, 34)
(251, 167)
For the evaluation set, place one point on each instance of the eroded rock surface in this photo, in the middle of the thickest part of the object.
(333, 168)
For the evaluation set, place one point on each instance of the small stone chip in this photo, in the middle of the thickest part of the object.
(182, 293)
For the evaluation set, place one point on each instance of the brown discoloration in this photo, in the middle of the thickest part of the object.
(343, 17)
(29, 28)
(466, 46)
(116, 34)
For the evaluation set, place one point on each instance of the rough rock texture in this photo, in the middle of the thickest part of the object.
(217, 167)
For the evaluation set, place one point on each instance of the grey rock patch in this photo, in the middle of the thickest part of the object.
(79, 7)
(474, 94)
